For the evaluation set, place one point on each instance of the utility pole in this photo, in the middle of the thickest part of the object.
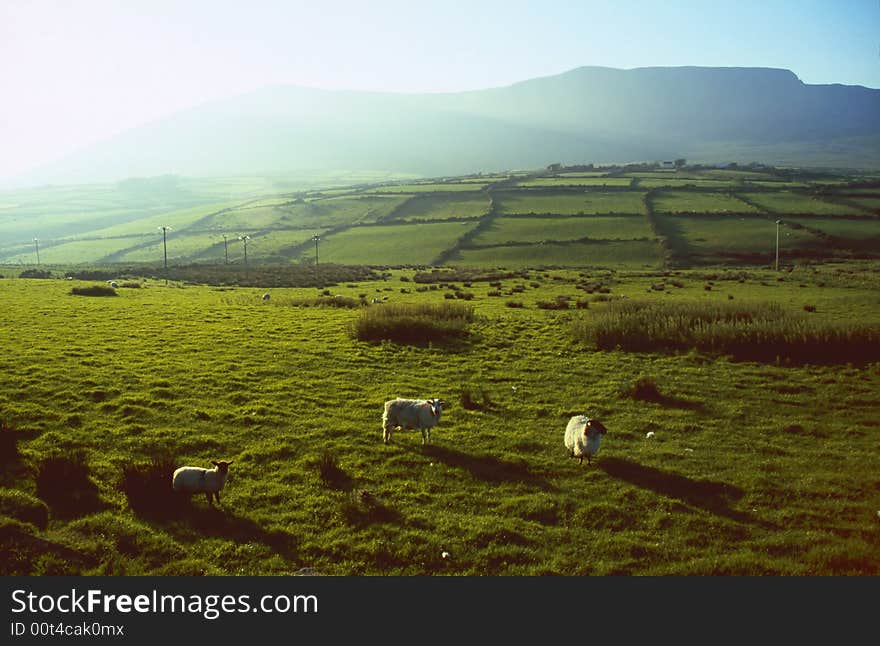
(245, 239)
(225, 250)
(778, 222)
(37, 248)
(316, 239)
(165, 229)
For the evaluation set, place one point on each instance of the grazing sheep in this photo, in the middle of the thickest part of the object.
(113, 284)
(419, 414)
(583, 436)
(190, 480)
(265, 296)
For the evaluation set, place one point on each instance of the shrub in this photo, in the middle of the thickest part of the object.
(558, 304)
(582, 304)
(809, 308)
(515, 304)
(323, 301)
(35, 273)
(94, 290)
(414, 323)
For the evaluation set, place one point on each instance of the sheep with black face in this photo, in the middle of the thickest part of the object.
(190, 480)
(583, 437)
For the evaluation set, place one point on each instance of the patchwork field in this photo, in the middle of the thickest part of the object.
(753, 466)
(615, 254)
(66, 227)
(392, 244)
(524, 229)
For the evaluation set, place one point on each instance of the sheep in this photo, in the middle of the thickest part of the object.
(265, 296)
(419, 414)
(583, 436)
(190, 480)
(113, 284)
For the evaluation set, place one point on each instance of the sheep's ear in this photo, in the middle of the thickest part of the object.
(215, 463)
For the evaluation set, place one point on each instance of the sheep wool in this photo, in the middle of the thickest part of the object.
(190, 480)
(421, 414)
(583, 437)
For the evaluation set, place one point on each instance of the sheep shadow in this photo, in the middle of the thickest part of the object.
(487, 467)
(193, 522)
(714, 497)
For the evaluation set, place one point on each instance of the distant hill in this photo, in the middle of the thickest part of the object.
(589, 114)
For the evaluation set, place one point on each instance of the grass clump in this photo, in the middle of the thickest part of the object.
(148, 486)
(63, 483)
(756, 332)
(94, 290)
(414, 323)
(345, 302)
(24, 507)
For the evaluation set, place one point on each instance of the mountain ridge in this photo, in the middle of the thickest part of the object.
(586, 114)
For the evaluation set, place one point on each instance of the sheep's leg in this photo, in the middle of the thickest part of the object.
(581, 459)
(208, 496)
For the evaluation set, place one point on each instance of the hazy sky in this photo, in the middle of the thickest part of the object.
(76, 71)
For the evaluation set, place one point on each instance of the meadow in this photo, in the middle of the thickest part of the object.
(754, 467)
(657, 310)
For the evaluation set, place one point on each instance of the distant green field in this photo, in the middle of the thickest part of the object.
(121, 222)
(509, 229)
(576, 181)
(795, 203)
(693, 202)
(513, 202)
(676, 183)
(629, 254)
(718, 236)
(391, 245)
(857, 229)
(442, 207)
(872, 203)
(428, 188)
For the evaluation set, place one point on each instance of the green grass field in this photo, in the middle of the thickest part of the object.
(720, 237)
(753, 469)
(617, 254)
(392, 244)
(787, 202)
(120, 223)
(521, 202)
(443, 207)
(692, 202)
(523, 229)
(569, 180)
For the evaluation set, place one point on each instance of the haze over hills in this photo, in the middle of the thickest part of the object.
(589, 114)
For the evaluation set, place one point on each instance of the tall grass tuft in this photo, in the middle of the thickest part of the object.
(94, 290)
(755, 332)
(414, 323)
(63, 483)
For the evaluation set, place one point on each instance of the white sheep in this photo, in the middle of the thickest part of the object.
(190, 480)
(583, 436)
(421, 414)
(265, 296)
(113, 284)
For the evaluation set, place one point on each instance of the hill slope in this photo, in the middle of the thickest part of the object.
(589, 114)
